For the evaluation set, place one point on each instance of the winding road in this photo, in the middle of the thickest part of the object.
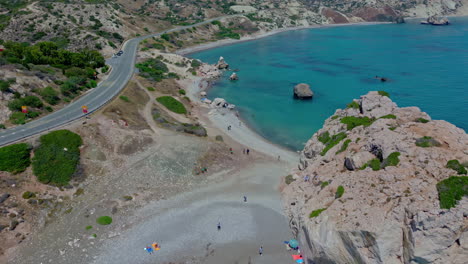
(123, 68)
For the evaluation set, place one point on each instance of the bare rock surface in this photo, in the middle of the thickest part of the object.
(388, 213)
(303, 91)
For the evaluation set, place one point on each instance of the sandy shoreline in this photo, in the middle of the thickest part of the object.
(264, 34)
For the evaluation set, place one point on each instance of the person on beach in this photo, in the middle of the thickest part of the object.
(229, 127)
(149, 250)
(248, 150)
(243, 151)
(245, 199)
(219, 226)
(279, 157)
(230, 149)
(260, 250)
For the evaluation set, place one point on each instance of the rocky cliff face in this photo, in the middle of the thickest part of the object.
(371, 195)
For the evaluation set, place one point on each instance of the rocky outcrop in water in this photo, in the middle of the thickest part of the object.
(222, 64)
(233, 77)
(372, 197)
(302, 91)
(435, 21)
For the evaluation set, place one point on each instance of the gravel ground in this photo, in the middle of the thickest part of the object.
(185, 227)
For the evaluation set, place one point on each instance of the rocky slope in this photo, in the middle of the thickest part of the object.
(371, 196)
(104, 24)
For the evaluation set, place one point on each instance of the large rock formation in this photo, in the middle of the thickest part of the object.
(222, 64)
(389, 211)
(302, 91)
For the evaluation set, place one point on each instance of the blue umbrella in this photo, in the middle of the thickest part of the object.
(293, 243)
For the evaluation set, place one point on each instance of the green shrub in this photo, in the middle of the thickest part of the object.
(334, 117)
(173, 75)
(124, 98)
(451, 190)
(127, 197)
(57, 158)
(289, 179)
(317, 212)
(15, 158)
(422, 120)
(49, 109)
(31, 101)
(50, 95)
(324, 137)
(324, 184)
(172, 104)
(28, 195)
(89, 227)
(104, 220)
(4, 86)
(166, 37)
(334, 140)
(2, 126)
(390, 116)
(353, 104)
(216, 22)
(18, 118)
(339, 192)
(182, 91)
(455, 165)
(219, 138)
(427, 142)
(374, 164)
(391, 160)
(151, 89)
(153, 69)
(384, 93)
(344, 146)
(195, 63)
(352, 121)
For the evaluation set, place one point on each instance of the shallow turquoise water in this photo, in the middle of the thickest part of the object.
(427, 67)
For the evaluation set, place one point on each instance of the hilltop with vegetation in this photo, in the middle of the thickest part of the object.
(381, 184)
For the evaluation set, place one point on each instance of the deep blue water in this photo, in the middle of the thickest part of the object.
(427, 67)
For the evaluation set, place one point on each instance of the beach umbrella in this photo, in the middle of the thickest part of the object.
(293, 243)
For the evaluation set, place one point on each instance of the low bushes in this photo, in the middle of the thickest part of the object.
(324, 137)
(384, 93)
(153, 69)
(333, 141)
(289, 179)
(172, 104)
(324, 184)
(427, 142)
(451, 190)
(104, 220)
(421, 120)
(15, 158)
(339, 192)
(50, 95)
(57, 158)
(455, 165)
(353, 104)
(390, 116)
(317, 212)
(124, 98)
(352, 121)
(376, 164)
(344, 146)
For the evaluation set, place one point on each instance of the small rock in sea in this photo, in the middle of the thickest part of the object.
(222, 64)
(303, 91)
(233, 77)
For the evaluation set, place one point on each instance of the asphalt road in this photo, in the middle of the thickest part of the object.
(123, 68)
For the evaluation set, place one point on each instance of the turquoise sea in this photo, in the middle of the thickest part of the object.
(427, 67)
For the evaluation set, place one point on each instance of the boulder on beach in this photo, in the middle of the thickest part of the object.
(233, 77)
(222, 64)
(302, 91)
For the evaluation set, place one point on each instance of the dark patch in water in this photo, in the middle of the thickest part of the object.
(324, 71)
(345, 59)
(279, 65)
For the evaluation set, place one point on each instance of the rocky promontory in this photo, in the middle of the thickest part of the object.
(381, 184)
